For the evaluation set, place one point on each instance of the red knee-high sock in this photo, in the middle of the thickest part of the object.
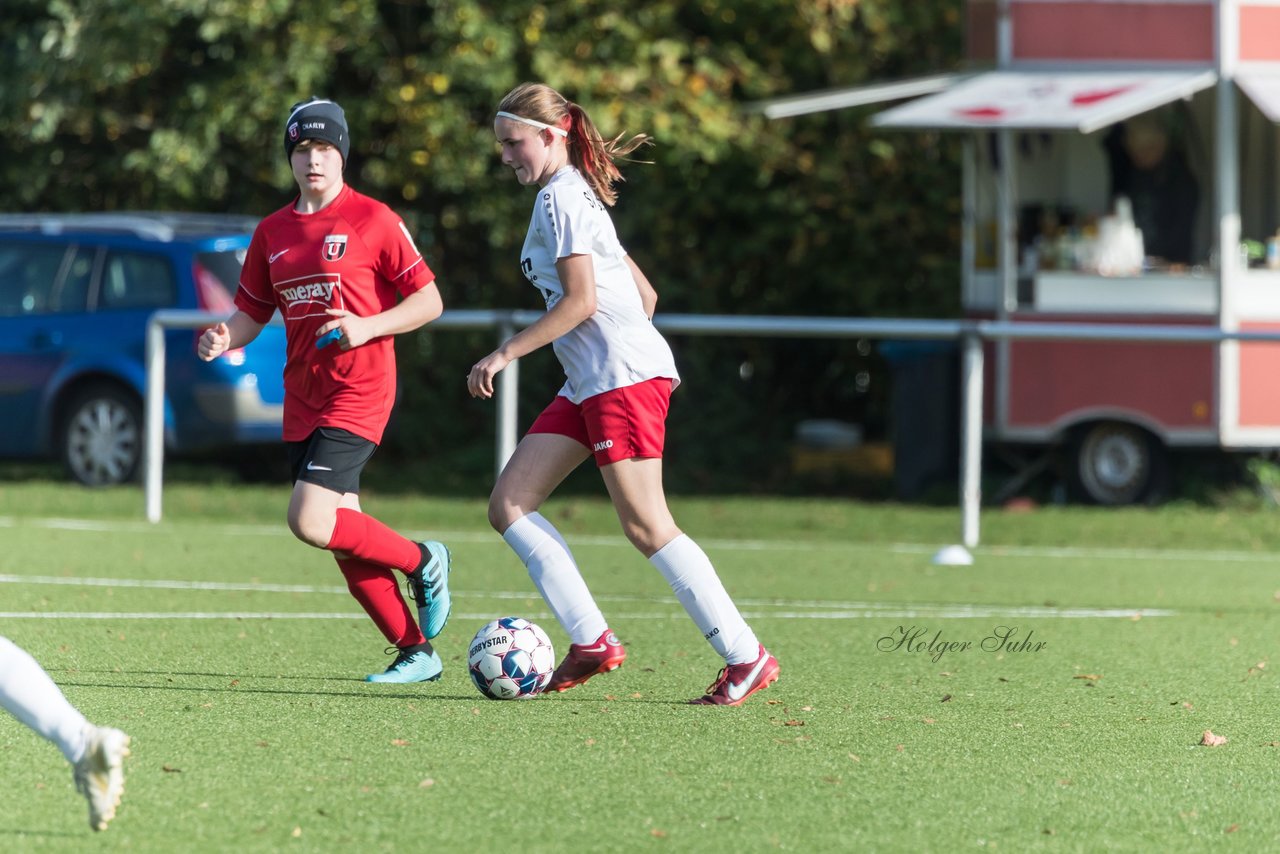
(376, 589)
(364, 537)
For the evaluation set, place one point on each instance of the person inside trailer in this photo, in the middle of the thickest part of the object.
(1149, 166)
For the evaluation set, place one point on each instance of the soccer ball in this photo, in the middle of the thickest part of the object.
(511, 659)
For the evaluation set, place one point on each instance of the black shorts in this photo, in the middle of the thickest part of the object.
(330, 457)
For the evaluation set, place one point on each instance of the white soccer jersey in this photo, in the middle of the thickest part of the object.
(617, 346)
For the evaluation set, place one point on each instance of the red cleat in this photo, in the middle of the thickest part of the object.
(737, 682)
(586, 660)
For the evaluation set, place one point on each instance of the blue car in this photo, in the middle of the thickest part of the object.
(76, 291)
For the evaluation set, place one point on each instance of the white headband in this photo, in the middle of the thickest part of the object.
(557, 131)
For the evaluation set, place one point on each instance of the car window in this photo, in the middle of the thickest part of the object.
(224, 266)
(217, 276)
(71, 292)
(137, 280)
(28, 275)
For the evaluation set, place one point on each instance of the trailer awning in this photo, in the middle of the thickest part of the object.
(1264, 90)
(1082, 101)
(855, 96)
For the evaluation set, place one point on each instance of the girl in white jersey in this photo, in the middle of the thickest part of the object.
(619, 377)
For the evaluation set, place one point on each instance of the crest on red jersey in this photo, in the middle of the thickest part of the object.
(335, 246)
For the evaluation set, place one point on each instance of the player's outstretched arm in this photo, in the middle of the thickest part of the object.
(236, 331)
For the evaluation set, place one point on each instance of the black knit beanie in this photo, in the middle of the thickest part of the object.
(317, 119)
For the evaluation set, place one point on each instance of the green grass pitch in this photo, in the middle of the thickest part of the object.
(1050, 697)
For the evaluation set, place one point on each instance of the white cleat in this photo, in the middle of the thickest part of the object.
(100, 773)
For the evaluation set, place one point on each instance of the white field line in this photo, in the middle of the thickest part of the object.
(958, 612)
(490, 538)
(787, 609)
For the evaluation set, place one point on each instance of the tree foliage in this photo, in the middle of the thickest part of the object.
(179, 104)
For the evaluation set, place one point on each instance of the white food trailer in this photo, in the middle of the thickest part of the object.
(1050, 233)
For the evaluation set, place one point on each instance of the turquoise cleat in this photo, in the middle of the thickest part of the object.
(429, 587)
(411, 665)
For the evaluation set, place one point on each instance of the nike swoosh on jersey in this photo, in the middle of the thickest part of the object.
(275, 255)
(738, 690)
(313, 467)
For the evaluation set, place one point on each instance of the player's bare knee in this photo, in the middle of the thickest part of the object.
(499, 516)
(642, 537)
(311, 531)
(503, 512)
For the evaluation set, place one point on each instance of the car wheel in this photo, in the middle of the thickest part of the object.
(1117, 464)
(101, 436)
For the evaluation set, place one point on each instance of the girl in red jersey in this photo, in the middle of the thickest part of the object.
(341, 267)
(620, 374)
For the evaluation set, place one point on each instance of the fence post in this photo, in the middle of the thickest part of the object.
(971, 438)
(508, 392)
(153, 419)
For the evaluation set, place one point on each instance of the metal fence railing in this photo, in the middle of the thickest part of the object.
(970, 333)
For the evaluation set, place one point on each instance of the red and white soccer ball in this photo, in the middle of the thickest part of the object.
(511, 659)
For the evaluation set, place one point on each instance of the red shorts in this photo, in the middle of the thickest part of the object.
(616, 425)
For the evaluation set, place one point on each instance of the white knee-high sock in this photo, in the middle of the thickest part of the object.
(33, 698)
(551, 566)
(694, 581)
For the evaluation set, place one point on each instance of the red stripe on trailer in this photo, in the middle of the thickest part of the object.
(1260, 33)
(1259, 367)
(1051, 382)
(1088, 31)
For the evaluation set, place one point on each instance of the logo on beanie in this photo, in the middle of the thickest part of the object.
(335, 246)
(293, 132)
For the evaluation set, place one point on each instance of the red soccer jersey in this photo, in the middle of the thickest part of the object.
(356, 255)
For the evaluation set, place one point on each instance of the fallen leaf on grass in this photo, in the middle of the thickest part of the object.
(1211, 740)
(399, 742)
(659, 834)
(169, 769)
(1092, 677)
(793, 722)
(427, 783)
(1232, 829)
(946, 698)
